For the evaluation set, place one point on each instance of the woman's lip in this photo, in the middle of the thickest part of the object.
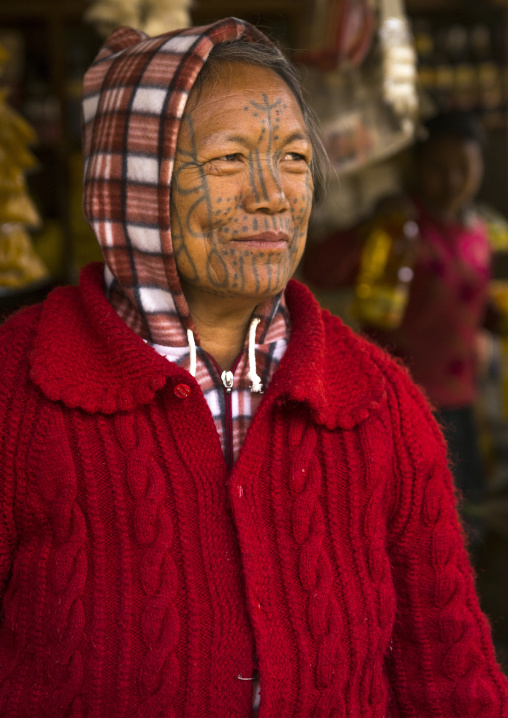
(257, 244)
(264, 240)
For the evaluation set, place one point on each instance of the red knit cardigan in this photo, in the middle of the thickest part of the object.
(139, 578)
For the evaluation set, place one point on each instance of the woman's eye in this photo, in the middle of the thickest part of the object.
(295, 157)
(225, 163)
(230, 158)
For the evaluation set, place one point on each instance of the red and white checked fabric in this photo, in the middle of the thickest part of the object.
(272, 337)
(134, 95)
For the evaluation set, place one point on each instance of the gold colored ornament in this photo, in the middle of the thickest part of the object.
(152, 17)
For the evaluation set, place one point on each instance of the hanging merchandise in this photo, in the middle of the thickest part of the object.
(369, 110)
(352, 197)
(348, 114)
(19, 264)
(341, 33)
(153, 17)
(386, 267)
(398, 60)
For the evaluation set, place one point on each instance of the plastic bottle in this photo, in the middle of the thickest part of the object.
(386, 269)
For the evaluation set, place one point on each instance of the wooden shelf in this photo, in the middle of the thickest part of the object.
(286, 20)
(36, 9)
(224, 8)
(462, 8)
(499, 121)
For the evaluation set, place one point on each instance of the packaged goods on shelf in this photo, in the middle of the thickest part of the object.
(458, 67)
(19, 264)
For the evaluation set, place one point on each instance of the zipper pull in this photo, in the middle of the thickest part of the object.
(227, 380)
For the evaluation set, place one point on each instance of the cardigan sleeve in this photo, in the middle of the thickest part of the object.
(442, 661)
(15, 340)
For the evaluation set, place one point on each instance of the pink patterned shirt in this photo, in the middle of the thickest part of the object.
(446, 308)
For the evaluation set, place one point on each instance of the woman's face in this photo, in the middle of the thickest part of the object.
(242, 189)
(450, 173)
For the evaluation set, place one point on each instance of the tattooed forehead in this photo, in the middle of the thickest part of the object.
(265, 107)
(268, 112)
(262, 110)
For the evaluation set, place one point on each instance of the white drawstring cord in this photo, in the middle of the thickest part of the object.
(192, 350)
(252, 375)
(256, 385)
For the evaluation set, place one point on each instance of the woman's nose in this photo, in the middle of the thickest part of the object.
(265, 191)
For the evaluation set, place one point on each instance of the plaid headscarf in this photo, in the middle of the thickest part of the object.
(134, 97)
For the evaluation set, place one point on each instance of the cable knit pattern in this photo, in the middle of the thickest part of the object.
(451, 622)
(15, 609)
(154, 531)
(314, 567)
(54, 564)
(67, 562)
(138, 576)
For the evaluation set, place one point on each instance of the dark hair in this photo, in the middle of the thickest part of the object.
(457, 123)
(271, 57)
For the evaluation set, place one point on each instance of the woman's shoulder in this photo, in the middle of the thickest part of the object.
(17, 333)
(20, 329)
(402, 395)
(342, 345)
(20, 336)
(341, 337)
(401, 422)
(357, 379)
(17, 337)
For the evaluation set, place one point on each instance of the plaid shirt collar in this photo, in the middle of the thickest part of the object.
(232, 408)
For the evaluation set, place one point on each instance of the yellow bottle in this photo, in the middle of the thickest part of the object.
(386, 270)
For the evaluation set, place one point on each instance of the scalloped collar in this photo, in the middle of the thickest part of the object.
(85, 356)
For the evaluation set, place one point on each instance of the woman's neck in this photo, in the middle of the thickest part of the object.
(221, 323)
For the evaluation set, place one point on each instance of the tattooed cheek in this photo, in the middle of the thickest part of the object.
(222, 210)
(299, 211)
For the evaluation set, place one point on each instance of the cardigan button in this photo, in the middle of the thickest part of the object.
(182, 391)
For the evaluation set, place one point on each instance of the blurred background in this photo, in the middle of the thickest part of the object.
(375, 72)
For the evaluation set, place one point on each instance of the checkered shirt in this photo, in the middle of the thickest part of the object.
(272, 336)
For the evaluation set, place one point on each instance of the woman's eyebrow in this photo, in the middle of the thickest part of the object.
(298, 136)
(240, 139)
